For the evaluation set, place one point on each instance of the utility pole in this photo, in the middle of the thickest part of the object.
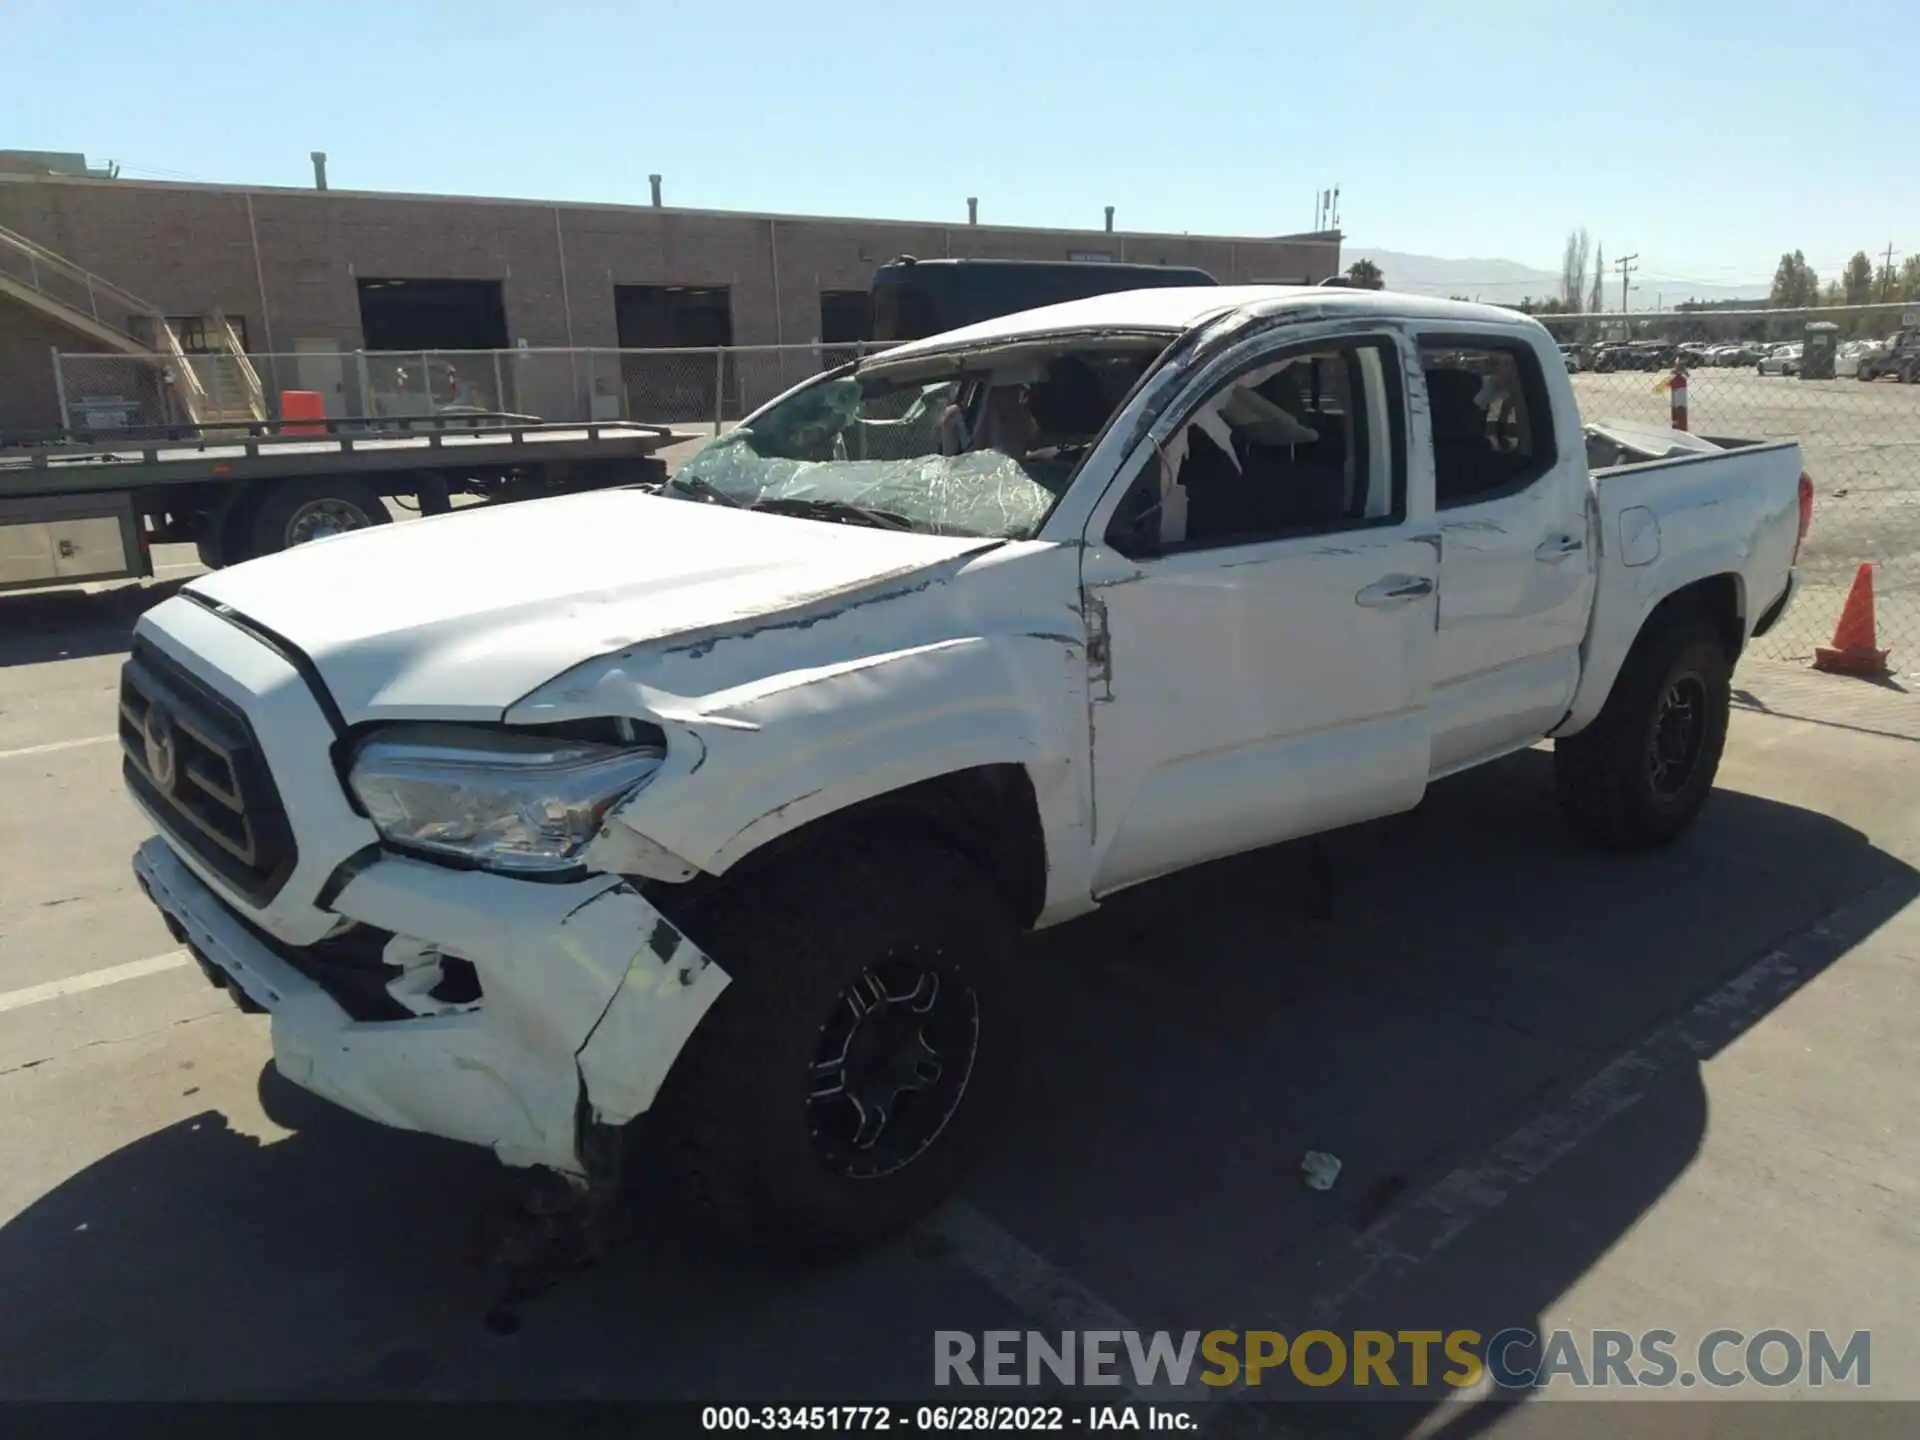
(1886, 275)
(1626, 267)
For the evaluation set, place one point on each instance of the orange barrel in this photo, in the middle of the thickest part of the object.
(302, 405)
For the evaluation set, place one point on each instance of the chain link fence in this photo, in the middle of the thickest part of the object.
(1860, 437)
(1859, 434)
(686, 388)
(116, 391)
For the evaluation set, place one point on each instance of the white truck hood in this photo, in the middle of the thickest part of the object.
(459, 616)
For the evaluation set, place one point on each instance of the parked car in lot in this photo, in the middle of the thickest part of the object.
(1898, 355)
(1850, 357)
(1781, 360)
(1624, 355)
(1637, 355)
(724, 803)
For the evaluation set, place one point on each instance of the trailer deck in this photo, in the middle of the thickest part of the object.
(79, 469)
(79, 506)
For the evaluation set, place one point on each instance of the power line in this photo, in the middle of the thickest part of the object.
(1762, 312)
(1663, 278)
(164, 173)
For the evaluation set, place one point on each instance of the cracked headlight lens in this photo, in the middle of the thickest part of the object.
(522, 803)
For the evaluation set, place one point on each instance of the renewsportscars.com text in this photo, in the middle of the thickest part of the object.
(1378, 1360)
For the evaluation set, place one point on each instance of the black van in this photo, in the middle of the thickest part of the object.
(913, 298)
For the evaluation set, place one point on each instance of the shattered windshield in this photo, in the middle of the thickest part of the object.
(985, 453)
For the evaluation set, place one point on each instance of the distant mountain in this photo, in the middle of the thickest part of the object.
(1507, 282)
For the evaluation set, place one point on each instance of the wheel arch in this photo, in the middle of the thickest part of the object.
(989, 813)
(1719, 598)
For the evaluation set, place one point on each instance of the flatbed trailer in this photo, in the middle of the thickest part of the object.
(78, 505)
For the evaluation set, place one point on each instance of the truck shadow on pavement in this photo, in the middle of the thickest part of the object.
(45, 625)
(1196, 1037)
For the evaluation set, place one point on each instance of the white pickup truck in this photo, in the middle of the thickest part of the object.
(726, 803)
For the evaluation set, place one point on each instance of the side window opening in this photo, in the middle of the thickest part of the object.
(1490, 417)
(1307, 443)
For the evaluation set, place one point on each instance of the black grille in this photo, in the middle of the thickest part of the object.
(191, 756)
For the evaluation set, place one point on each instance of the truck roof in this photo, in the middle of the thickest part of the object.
(1178, 308)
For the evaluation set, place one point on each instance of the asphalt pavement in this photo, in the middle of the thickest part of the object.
(1567, 1089)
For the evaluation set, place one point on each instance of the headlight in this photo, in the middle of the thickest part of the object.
(506, 801)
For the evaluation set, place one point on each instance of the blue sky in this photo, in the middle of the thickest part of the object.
(1707, 135)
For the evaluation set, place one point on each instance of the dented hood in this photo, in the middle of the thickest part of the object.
(459, 616)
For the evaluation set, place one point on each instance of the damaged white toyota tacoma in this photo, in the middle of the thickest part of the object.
(725, 804)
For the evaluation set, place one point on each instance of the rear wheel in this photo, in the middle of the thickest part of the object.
(855, 1064)
(1638, 775)
(296, 511)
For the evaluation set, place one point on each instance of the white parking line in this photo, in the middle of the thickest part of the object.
(93, 980)
(54, 745)
(1417, 1231)
(1044, 1292)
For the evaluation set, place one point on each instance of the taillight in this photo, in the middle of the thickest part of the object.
(1806, 514)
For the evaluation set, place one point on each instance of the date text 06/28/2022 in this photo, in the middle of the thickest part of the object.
(942, 1419)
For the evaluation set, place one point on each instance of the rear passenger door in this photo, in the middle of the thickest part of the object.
(1516, 558)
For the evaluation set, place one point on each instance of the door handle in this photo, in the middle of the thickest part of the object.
(1394, 590)
(1559, 547)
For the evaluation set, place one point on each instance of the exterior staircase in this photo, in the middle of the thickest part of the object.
(215, 389)
(229, 387)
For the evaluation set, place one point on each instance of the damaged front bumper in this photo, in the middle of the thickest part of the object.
(579, 999)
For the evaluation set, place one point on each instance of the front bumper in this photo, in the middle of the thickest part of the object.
(586, 996)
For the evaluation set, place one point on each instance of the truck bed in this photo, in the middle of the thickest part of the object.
(1661, 524)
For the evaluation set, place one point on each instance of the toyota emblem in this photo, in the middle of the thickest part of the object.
(163, 751)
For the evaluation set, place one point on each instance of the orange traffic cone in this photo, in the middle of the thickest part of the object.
(1853, 651)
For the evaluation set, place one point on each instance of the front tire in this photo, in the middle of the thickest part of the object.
(846, 1078)
(1638, 775)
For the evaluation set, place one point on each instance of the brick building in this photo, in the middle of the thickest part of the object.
(315, 271)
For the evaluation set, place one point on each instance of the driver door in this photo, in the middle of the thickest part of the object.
(1264, 569)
